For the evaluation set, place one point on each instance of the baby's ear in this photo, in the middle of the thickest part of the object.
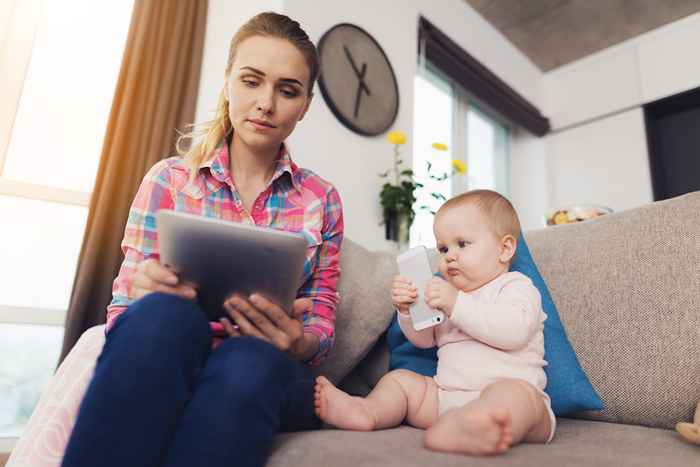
(508, 247)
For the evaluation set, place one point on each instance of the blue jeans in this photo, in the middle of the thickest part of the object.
(162, 397)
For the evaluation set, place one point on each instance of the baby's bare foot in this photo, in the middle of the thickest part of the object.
(475, 430)
(339, 409)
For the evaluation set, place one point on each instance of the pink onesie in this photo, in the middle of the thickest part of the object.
(495, 332)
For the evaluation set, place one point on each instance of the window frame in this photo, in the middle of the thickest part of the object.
(32, 315)
(7, 444)
(43, 193)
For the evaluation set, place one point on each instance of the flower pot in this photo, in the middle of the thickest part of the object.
(396, 229)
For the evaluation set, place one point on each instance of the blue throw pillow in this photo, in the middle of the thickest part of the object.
(567, 383)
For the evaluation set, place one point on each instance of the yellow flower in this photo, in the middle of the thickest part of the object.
(397, 137)
(459, 166)
(440, 146)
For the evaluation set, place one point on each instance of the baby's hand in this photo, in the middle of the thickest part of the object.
(403, 293)
(439, 294)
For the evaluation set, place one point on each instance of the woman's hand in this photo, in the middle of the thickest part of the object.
(403, 294)
(256, 316)
(151, 276)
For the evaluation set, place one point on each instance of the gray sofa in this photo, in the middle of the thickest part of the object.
(627, 287)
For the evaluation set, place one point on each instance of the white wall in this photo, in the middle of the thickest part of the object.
(352, 162)
(603, 162)
(597, 152)
(529, 189)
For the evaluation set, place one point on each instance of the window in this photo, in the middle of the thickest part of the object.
(432, 123)
(59, 62)
(487, 152)
(444, 113)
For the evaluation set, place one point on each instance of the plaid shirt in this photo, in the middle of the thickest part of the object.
(295, 200)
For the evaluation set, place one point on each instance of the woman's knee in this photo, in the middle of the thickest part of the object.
(250, 366)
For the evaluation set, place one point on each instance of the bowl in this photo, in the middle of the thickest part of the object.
(575, 213)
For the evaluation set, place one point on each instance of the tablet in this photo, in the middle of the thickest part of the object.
(224, 257)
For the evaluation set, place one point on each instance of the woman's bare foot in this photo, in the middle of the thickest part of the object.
(471, 430)
(341, 410)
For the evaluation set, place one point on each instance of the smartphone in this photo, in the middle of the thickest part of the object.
(415, 266)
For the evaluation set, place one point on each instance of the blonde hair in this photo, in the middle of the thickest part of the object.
(496, 207)
(204, 138)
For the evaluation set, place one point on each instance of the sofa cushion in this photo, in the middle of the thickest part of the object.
(627, 286)
(365, 308)
(567, 384)
(577, 443)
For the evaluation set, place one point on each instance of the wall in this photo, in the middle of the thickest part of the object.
(529, 188)
(604, 162)
(598, 149)
(352, 162)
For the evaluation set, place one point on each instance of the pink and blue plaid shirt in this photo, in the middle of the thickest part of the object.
(295, 200)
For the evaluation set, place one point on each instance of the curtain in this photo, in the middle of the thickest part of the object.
(156, 93)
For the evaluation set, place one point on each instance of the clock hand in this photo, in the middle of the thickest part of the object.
(358, 96)
(361, 77)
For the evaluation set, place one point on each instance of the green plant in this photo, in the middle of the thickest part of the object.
(398, 199)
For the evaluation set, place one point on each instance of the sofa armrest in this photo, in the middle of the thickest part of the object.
(45, 437)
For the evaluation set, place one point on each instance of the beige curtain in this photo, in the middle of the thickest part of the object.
(156, 93)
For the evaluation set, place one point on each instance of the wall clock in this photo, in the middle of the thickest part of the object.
(357, 80)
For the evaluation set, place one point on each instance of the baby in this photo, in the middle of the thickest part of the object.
(488, 393)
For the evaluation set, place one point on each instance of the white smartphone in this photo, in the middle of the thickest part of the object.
(415, 266)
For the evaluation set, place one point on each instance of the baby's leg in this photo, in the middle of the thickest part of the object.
(506, 413)
(400, 395)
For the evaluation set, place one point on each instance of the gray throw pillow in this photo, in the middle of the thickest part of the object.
(365, 309)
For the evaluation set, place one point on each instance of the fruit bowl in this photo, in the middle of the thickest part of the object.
(575, 213)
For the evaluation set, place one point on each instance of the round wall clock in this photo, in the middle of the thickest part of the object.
(357, 81)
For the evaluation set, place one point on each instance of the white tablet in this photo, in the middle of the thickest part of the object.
(224, 257)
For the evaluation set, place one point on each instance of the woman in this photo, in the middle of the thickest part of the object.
(170, 388)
